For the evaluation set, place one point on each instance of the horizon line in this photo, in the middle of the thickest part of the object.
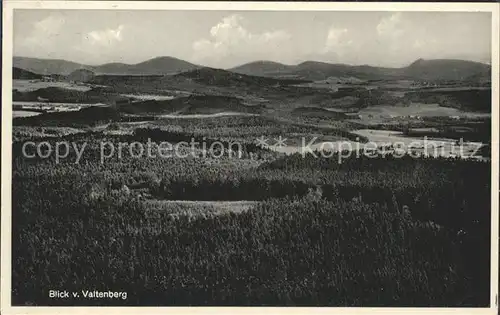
(251, 62)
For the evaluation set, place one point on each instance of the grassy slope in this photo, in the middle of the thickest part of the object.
(191, 105)
(318, 112)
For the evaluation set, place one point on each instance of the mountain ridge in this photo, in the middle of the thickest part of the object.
(420, 69)
(155, 66)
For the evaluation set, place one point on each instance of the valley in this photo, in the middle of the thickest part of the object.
(235, 210)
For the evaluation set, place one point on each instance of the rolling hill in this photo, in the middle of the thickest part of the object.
(438, 69)
(311, 70)
(81, 75)
(219, 77)
(199, 104)
(420, 70)
(264, 68)
(22, 74)
(155, 66)
(113, 68)
(62, 95)
(475, 100)
(47, 66)
(446, 69)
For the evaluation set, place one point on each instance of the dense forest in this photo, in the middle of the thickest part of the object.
(365, 232)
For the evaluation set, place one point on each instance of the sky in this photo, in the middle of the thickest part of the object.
(225, 39)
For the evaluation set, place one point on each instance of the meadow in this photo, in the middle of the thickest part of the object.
(33, 85)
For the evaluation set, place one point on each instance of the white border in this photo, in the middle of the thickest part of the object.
(9, 5)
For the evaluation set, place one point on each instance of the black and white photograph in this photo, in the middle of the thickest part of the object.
(235, 155)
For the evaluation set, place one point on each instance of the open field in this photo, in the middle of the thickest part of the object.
(147, 97)
(33, 85)
(418, 109)
(23, 113)
(196, 208)
(25, 132)
(222, 114)
(385, 142)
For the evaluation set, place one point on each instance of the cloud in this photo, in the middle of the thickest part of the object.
(397, 34)
(100, 44)
(391, 26)
(55, 37)
(44, 32)
(337, 40)
(418, 44)
(401, 35)
(424, 44)
(230, 38)
(106, 37)
(50, 25)
(229, 29)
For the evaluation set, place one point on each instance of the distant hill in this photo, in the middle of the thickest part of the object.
(47, 66)
(421, 70)
(321, 70)
(21, 74)
(312, 70)
(165, 65)
(114, 68)
(81, 75)
(219, 77)
(198, 104)
(439, 69)
(155, 66)
(264, 68)
(446, 69)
